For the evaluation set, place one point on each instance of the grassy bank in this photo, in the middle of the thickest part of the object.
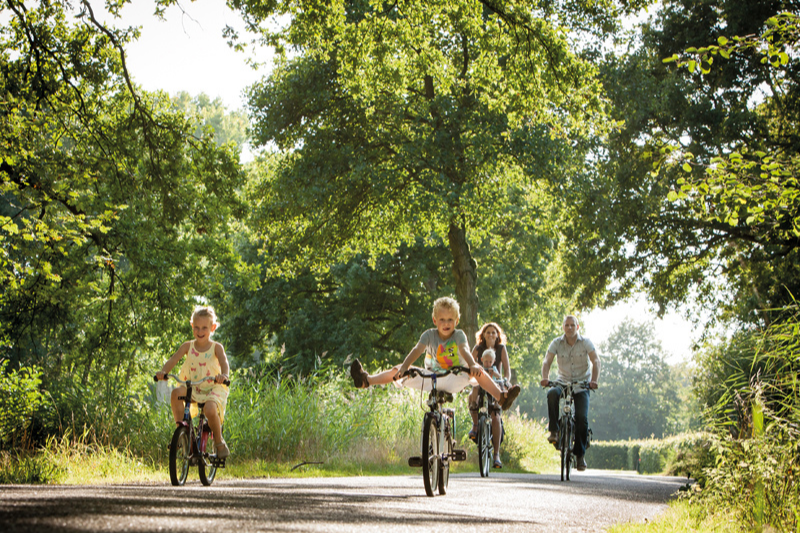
(273, 424)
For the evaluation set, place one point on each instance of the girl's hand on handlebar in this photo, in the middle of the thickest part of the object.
(220, 378)
(161, 376)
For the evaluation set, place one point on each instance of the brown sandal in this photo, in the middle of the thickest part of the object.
(359, 375)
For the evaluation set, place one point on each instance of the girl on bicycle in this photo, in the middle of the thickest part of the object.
(204, 358)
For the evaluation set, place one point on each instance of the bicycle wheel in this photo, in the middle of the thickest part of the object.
(563, 442)
(570, 446)
(207, 471)
(180, 452)
(484, 445)
(430, 453)
(444, 471)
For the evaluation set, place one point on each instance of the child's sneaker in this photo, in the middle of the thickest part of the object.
(510, 396)
(359, 375)
(473, 433)
(222, 450)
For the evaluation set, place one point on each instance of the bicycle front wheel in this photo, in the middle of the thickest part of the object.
(205, 469)
(563, 442)
(570, 446)
(484, 445)
(180, 453)
(430, 453)
(446, 449)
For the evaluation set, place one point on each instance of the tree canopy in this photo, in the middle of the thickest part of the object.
(442, 120)
(701, 177)
(112, 203)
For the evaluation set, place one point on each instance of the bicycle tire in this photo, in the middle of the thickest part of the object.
(570, 445)
(446, 449)
(484, 445)
(208, 471)
(563, 442)
(430, 454)
(180, 453)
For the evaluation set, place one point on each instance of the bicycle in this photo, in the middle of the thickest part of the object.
(566, 424)
(191, 446)
(486, 405)
(438, 434)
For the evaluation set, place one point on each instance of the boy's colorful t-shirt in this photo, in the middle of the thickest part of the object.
(442, 354)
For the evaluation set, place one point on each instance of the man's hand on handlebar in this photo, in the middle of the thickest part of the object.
(593, 385)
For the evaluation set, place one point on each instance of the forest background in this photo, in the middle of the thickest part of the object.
(527, 158)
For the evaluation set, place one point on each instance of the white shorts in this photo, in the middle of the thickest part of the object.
(451, 383)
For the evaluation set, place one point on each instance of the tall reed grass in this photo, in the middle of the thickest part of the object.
(271, 421)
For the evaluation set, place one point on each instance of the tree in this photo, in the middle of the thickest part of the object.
(112, 214)
(698, 187)
(637, 396)
(442, 120)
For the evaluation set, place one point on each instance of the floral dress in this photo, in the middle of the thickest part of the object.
(199, 365)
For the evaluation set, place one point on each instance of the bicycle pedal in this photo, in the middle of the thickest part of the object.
(216, 462)
(415, 462)
(459, 455)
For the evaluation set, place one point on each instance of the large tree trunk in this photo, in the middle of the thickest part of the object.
(465, 270)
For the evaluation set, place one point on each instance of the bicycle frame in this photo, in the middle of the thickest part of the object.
(438, 452)
(566, 423)
(196, 454)
(484, 439)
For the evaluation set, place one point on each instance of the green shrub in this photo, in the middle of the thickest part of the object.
(20, 399)
(28, 468)
(687, 454)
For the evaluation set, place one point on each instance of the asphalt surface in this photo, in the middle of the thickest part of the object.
(592, 501)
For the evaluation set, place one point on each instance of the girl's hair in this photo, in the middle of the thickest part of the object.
(501, 336)
(445, 302)
(205, 311)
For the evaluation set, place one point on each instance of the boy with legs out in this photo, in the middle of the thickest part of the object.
(444, 347)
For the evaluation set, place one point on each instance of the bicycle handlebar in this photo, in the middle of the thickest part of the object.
(190, 382)
(586, 384)
(413, 372)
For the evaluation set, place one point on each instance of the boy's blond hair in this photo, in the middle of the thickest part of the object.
(445, 302)
(489, 351)
(205, 311)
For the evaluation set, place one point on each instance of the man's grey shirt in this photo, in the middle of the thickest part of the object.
(573, 361)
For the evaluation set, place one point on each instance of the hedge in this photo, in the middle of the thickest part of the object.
(686, 454)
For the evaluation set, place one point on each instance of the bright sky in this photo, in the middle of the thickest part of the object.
(187, 52)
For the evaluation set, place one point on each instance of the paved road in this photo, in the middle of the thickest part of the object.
(592, 501)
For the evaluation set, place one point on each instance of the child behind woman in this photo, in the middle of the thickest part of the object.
(204, 358)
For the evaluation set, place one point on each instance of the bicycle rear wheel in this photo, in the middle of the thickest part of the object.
(180, 453)
(430, 453)
(208, 471)
(484, 445)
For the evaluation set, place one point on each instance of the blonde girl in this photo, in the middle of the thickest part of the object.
(204, 358)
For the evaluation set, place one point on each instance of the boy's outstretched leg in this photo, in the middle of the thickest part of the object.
(505, 399)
